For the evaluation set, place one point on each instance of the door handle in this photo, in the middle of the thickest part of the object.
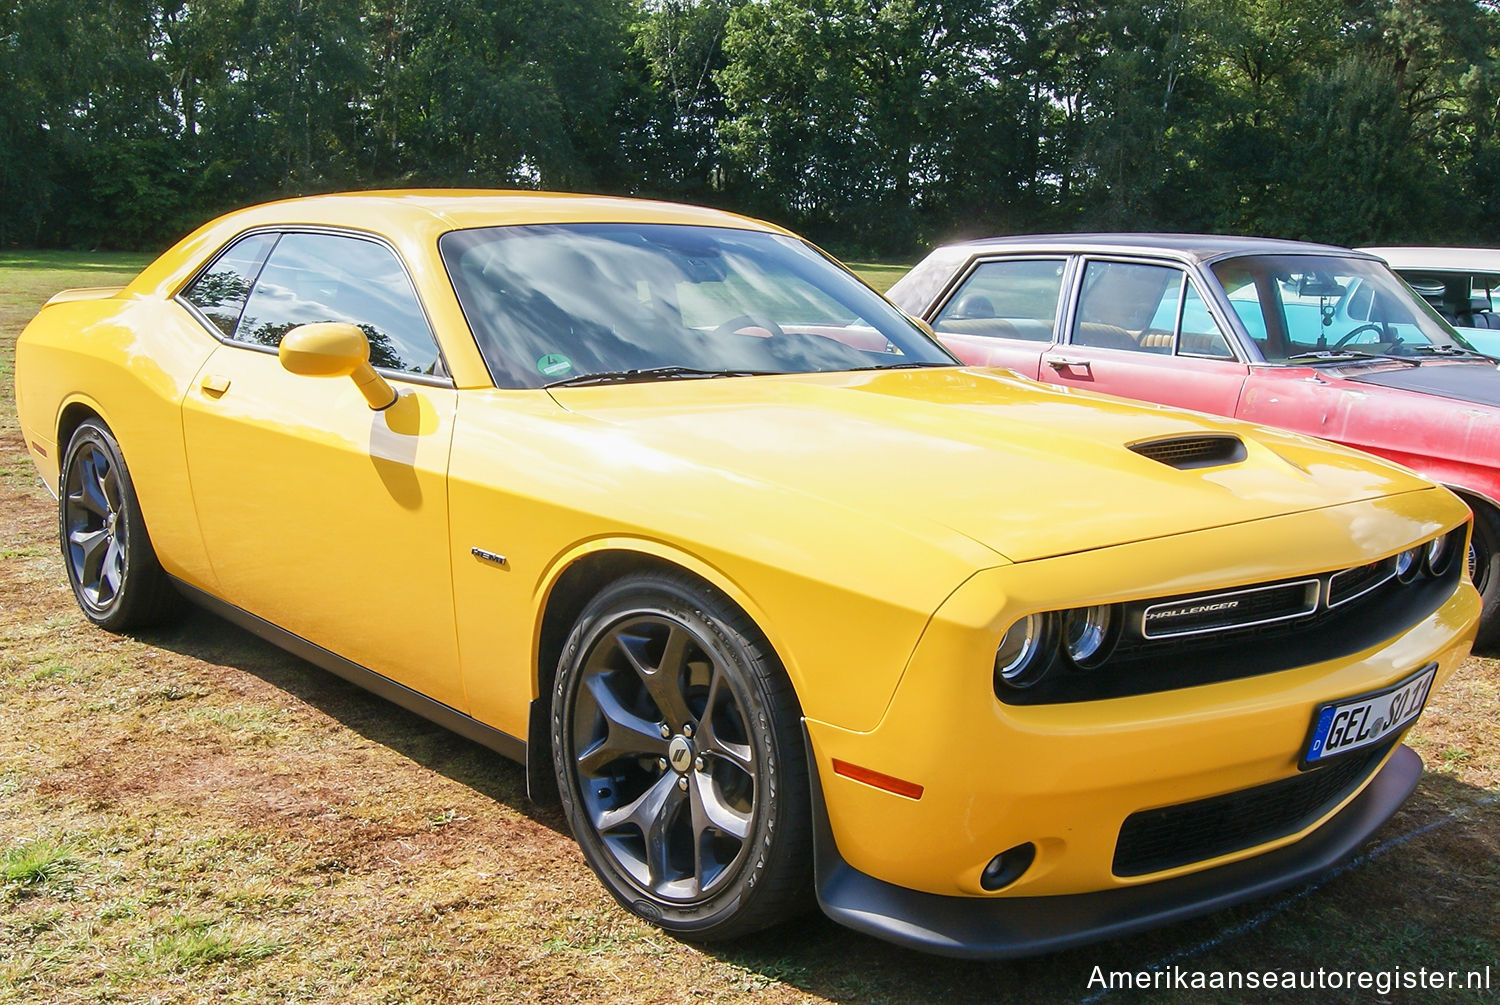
(1064, 362)
(213, 384)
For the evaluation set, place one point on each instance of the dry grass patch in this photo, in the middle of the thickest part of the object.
(194, 816)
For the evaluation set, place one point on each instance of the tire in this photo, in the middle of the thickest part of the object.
(111, 565)
(679, 758)
(1484, 569)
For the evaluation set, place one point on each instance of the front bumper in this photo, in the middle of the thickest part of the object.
(1066, 777)
(1001, 928)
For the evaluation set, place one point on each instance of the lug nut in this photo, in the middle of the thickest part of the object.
(698, 764)
(687, 730)
(661, 762)
(682, 782)
(666, 731)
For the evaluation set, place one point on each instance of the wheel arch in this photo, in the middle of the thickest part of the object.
(75, 410)
(576, 578)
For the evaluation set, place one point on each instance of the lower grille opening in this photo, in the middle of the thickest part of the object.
(1155, 840)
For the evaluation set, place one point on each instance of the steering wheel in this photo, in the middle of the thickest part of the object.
(1369, 326)
(743, 321)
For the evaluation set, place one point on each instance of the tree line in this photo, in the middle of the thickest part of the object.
(875, 126)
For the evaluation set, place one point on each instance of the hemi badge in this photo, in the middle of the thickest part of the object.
(487, 556)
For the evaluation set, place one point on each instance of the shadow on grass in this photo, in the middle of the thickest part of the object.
(211, 639)
(1420, 893)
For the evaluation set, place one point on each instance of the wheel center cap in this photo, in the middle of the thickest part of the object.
(680, 754)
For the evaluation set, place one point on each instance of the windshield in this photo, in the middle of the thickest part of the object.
(1312, 306)
(563, 303)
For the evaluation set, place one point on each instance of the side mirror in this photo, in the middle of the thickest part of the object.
(335, 349)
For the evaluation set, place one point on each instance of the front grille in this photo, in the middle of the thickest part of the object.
(1184, 452)
(1351, 583)
(1231, 609)
(1155, 840)
(1189, 639)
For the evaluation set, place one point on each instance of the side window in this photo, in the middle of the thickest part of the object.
(1011, 299)
(1199, 334)
(220, 292)
(330, 277)
(1120, 306)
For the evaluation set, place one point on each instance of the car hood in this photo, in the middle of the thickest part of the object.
(1028, 470)
(1470, 380)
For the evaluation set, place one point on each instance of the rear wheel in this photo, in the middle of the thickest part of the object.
(679, 759)
(1484, 569)
(112, 568)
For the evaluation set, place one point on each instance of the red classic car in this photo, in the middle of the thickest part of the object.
(1308, 337)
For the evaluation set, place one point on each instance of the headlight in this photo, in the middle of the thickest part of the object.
(1409, 565)
(1026, 651)
(1088, 636)
(1440, 552)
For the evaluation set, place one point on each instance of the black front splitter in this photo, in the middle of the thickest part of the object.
(1008, 927)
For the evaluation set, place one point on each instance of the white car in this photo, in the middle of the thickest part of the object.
(1459, 283)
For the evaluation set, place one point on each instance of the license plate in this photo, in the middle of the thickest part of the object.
(1355, 723)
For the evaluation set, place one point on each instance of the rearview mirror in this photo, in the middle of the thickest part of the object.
(335, 349)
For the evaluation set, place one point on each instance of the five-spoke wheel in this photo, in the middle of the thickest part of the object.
(678, 758)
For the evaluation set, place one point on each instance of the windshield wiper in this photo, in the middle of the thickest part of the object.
(1346, 356)
(651, 373)
(915, 365)
(1448, 350)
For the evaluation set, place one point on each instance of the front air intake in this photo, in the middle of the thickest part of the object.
(1184, 452)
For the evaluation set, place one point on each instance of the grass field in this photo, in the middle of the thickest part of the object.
(193, 816)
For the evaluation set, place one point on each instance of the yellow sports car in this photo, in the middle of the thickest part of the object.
(774, 595)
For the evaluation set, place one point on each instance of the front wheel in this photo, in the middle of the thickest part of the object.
(112, 568)
(679, 759)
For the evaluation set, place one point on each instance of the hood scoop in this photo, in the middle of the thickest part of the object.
(1187, 452)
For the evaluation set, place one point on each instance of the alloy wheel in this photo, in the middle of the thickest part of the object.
(663, 760)
(94, 524)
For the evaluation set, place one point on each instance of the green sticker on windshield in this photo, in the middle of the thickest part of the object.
(553, 365)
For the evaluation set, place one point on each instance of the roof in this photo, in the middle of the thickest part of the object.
(1190, 247)
(1469, 260)
(418, 217)
(462, 208)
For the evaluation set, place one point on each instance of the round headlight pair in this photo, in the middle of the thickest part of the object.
(1033, 645)
(1434, 558)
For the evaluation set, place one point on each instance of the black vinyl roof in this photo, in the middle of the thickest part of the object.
(1194, 247)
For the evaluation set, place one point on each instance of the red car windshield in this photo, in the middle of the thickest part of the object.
(1309, 306)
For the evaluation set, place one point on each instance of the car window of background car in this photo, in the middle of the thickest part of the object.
(331, 277)
(1244, 299)
(555, 302)
(221, 290)
(1008, 299)
(1325, 303)
(1121, 304)
(1199, 333)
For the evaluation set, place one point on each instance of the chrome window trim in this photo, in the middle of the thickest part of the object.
(362, 235)
(961, 278)
(1315, 603)
(1190, 272)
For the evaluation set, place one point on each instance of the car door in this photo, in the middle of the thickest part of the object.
(320, 515)
(1003, 312)
(1143, 330)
